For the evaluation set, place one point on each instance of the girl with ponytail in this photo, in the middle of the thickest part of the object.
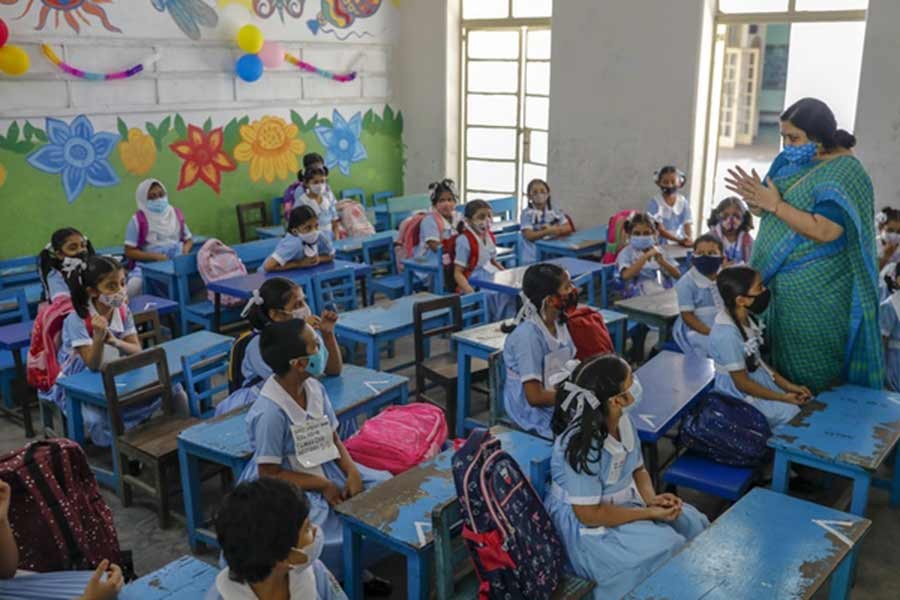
(67, 250)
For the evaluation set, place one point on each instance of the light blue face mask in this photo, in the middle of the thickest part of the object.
(637, 392)
(800, 155)
(159, 205)
(642, 242)
(316, 365)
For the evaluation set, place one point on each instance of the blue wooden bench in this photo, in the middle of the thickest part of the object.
(199, 370)
(400, 207)
(276, 204)
(185, 578)
(380, 254)
(704, 475)
(380, 210)
(354, 193)
(18, 272)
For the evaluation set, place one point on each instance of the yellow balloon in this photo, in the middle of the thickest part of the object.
(250, 39)
(13, 60)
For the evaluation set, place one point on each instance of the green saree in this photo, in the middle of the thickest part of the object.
(822, 322)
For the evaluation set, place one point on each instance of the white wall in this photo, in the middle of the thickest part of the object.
(878, 110)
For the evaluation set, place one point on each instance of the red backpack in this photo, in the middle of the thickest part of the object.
(450, 256)
(588, 332)
(615, 235)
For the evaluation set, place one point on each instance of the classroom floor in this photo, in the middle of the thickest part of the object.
(879, 567)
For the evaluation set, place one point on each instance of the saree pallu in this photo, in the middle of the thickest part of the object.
(822, 322)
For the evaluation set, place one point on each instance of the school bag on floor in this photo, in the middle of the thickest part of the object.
(588, 332)
(728, 431)
(399, 437)
(513, 543)
(60, 520)
(216, 261)
(354, 222)
(615, 235)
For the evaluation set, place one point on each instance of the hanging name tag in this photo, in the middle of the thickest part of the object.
(615, 468)
(314, 442)
(555, 367)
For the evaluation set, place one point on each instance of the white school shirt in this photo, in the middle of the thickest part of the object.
(674, 217)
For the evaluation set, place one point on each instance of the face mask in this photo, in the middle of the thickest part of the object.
(539, 199)
(309, 238)
(760, 302)
(312, 552)
(668, 191)
(568, 301)
(317, 188)
(800, 155)
(707, 265)
(480, 226)
(891, 238)
(115, 300)
(316, 365)
(301, 313)
(159, 205)
(637, 392)
(731, 223)
(642, 242)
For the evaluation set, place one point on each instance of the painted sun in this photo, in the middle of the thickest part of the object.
(72, 11)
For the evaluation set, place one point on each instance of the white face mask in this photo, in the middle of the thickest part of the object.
(539, 199)
(309, 238)
(312, 552)
(115, 300)
(301, 313)
(891, 237)
(480, 226)
(317, 188)
(637, 392)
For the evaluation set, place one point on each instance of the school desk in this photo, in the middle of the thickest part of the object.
(348, 248)
(375, 326)
(146, 302)
(671, 382)
(581, 243)
(224, 440)
(848, 431)
(397, 512)
(767, 545)
(481, 342)
(184, 578)
(86, 387)
(242, 287)
(656, 310)
(509, 281)
(424, 264)
(271, 231)
(15, 338)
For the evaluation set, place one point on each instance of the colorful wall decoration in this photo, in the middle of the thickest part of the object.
(189, 15)
(66, 172)
(73, 12)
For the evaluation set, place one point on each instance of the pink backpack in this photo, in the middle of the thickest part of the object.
(216, 261)
(408, 236)
(399, 438)
(615, 235)
(353, 219)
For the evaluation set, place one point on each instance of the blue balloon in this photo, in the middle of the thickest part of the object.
(249, 67)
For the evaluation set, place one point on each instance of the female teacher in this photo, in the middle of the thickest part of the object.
(816, 253)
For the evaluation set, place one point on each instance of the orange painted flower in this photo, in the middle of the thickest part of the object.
(271, 146)
(2, 175)
(203, 158)
(138, 152)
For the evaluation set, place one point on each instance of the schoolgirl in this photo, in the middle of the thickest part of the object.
(540, 220)
(66, 251)
(698, 297)
(303, 245)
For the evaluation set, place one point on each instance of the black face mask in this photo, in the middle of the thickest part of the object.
(760, 302)
(668, 191)
(707, 265)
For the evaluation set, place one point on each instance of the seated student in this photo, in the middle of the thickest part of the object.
(156, 232)
(670, 209)
(316, 195)
(439, 226)
(476, 255)
(101, 329)
(539, 352)
(889, 320)
(302, 246)
(279, 299)
(310, 160)
(888, 236)
(67, 249)
(540, 220)
(734, 345)
(271, 547)
(642, 266)
(292, 402)
(698, 298)
(105, 583)
(615, 528)
(730, 223)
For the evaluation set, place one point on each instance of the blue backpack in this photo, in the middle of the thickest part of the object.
(728, 431)
(512, 541)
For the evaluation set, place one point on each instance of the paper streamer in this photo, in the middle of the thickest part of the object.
(90, 76)
(305, 66)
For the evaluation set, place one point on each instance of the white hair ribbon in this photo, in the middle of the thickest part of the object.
(579, 395)
(49, 247)
(255, 300)
(528, 309)
(881, 218)
(70, 264)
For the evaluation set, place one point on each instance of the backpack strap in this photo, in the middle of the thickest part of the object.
(123, 314)
(179, 214)
(473, 252)
(143, 228)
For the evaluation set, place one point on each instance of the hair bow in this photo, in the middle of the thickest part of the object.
(255, 300)
(881, 218)
(528, 309)
(579, 395)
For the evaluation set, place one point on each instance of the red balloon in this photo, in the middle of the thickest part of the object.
(4, 33)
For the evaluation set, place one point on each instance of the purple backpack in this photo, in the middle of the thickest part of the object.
(287, 201)
(513, 543)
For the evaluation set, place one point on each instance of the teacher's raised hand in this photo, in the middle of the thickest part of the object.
(750, 187)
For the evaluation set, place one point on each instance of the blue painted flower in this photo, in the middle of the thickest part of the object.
(341, 141)
(79, 154)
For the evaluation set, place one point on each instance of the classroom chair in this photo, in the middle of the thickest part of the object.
(249, 215)
(379, 206)
(474, 309)
(440, 369)
(154, 443)
(199, 370)
(19, 272)
(380, 255)
(354, 193)
(335, 289)
(455, 575)
(400, 207)
(510, 239)
(496, 383)
(505, 209)
(149, 329)
(13, 309)
(275, 205)
(704, 475)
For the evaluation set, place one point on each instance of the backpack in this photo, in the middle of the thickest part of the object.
(216, 261)
(42, 367)
(236, 361)
(60, 519)
(588, 332)
(287, 201)
(513, 543)
(354, 222)
(615, 235)
(399, 437)
(408, 236)
(144, 229)
(728, 431)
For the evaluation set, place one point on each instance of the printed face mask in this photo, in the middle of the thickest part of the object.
(731, 223)
(668, 190)
(115, 300)
(800, 155)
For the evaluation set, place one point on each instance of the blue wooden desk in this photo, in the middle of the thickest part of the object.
(351, 248)
(767, 545)
(582, 272)
(182, 579)
(87, 387)
(15, 338)
(224, 440)
(272, 231)
(146, 302)
(243, 286)
(377, 325)
(671, 383)
(481, 342)
(848, 431)
(425, 265)
(656, 310)
(581, 243)
(397, 513)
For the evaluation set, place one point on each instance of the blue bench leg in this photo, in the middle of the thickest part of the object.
(895, 483)
(372, 359)
(352, 564)
(190, 486)
(840, 579)
(780, 473)
(418, 580)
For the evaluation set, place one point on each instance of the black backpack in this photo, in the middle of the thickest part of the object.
(236, 359)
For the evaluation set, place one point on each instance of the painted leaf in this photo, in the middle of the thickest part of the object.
(207, 126)
(180, 127)
(40, 135)
(388, 115)
(164, 127)
(244, 120)
(12, 134)
(398, 124)
(367, 121)
(232, 136)
(3, 144)
(323, 122)
(22, 147)
(310, 124)
(28, 131)
(122, 127)
(297, 120)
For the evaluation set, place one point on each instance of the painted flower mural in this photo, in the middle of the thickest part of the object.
(2, 175)
(77, 153)
(203, 158)
(138, 152)
(271, 146)
(189, 15)
(69, 10)
(342, 142)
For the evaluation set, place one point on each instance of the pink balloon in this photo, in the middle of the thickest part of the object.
(272, 55)
(4, 32)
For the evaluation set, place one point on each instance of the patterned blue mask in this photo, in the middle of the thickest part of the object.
(800, 155)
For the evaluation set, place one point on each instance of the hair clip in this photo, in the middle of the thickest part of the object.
(255, 300)
(881, 218)
(580, 395)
